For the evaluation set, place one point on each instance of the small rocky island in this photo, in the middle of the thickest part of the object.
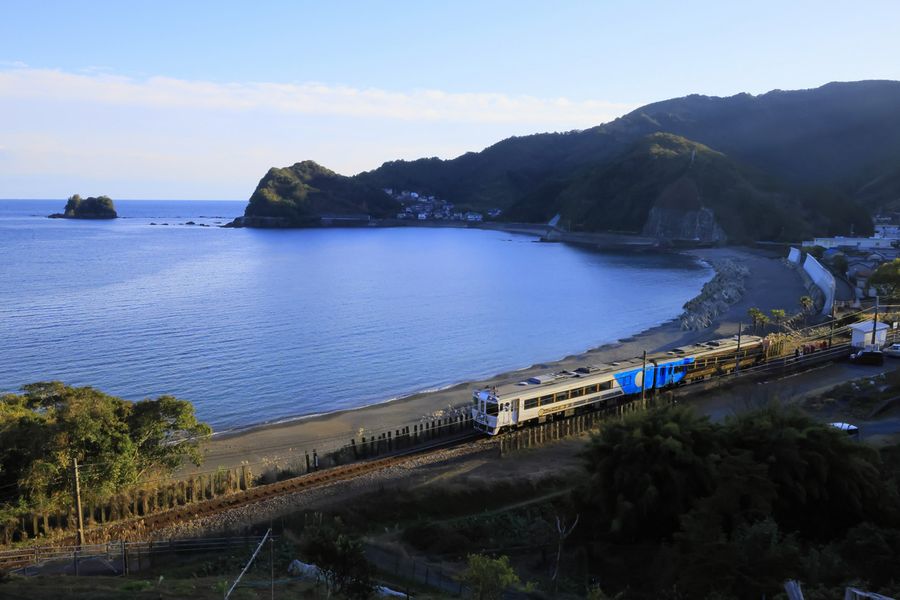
(77, 207)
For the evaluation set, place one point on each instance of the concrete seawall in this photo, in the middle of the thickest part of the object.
(817, 278)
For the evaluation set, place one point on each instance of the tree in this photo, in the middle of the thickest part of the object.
(487, 578)
(778, 314)
(44, 428)
(758, 318)
(72, 204)
(341, 561)
(806, 302)
(886, 279)
(839, 264)
(645, 472)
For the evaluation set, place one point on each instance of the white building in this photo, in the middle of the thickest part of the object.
(853, 242)
(887, 230)
(861, 334)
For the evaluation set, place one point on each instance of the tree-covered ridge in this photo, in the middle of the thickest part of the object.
(120, 443)
(100, 207)
(298, 195)
(666, 171)
(830, 153)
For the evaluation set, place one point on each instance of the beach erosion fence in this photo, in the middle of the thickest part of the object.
(549, 432)
(152, 497)
(140, 501)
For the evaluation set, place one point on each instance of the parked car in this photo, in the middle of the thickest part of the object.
(893, 351)
(868, 357)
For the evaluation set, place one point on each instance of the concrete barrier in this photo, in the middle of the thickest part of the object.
(823, 279)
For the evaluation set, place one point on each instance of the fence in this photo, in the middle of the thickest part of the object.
(438, 576)
(545, 433)
(115, 557)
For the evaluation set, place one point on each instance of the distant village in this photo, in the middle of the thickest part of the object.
(421, 207)
(855, 259)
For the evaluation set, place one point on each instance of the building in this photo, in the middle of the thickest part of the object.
(473, 216)
(854, 243)
(861, 334)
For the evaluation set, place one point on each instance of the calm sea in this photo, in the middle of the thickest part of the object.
(257, 326)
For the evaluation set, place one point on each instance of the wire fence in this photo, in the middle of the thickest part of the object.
(112, 558)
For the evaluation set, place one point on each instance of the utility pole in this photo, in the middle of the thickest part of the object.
(737, 358)
(643, 375)
(831, 333)
(875, 321)
(78, 503)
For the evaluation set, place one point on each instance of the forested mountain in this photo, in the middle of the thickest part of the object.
(814, 153)
(779, 165)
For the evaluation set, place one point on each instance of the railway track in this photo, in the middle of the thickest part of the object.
(142, 527)
(309, 481)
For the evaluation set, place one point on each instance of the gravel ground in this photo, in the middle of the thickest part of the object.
(239, 519)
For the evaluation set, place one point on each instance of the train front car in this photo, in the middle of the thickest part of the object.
(487, 412)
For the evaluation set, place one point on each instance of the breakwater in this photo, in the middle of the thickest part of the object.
(723, 290)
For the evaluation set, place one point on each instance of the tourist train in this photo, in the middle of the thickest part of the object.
(566, 393)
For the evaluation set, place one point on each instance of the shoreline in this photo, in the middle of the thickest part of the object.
(769, 284)
(509, 374)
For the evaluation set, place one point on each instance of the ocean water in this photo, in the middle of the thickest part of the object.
(256, 326)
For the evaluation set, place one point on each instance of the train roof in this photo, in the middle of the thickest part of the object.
(551, 382)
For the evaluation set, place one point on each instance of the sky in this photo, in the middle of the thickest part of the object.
(196, 100)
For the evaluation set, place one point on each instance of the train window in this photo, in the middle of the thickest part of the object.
(531, 403)
(591, 389)
(576, 393)
(545, 400)
(491, 408)
(606, 385)
(561, 396)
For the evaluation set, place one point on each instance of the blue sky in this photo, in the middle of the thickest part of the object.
(197, 99)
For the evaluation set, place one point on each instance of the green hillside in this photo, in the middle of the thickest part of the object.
(666, 171)
(299, 194)
(822, 148)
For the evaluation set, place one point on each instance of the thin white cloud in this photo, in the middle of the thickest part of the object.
(305, 98)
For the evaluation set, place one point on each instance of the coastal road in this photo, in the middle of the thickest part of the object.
(794, 388)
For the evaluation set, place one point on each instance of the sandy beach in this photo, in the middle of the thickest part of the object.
(770, 284)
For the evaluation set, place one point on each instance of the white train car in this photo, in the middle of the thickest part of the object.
(566, 392)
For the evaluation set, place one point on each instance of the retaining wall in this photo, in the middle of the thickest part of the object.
(823, 279)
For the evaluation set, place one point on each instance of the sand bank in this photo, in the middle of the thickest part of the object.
(770, 284)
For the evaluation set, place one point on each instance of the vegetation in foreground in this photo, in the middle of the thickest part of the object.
(677, 506)
(119, 443)
(670, 505)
